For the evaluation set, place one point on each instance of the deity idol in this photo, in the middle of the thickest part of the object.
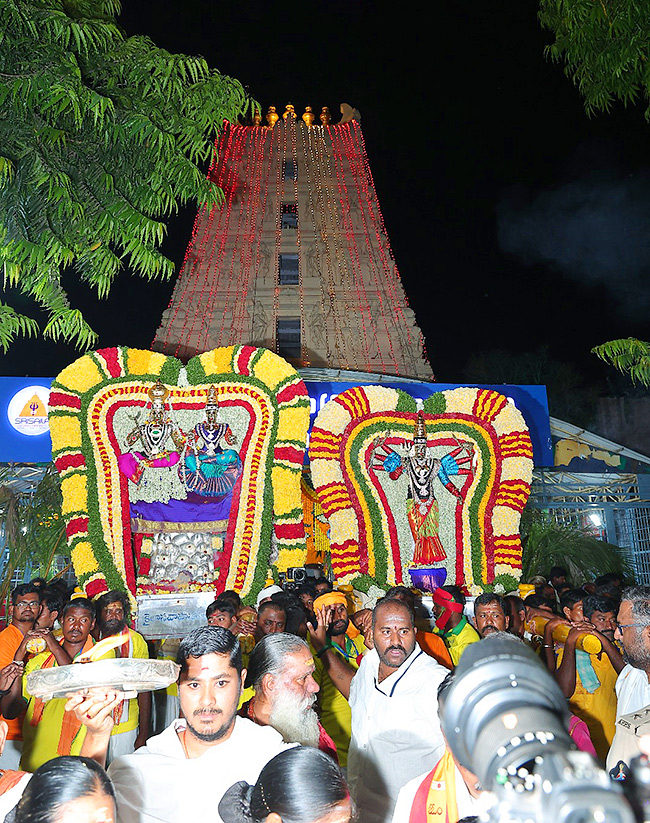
(208, 469)
(154, 436)
(422, 470)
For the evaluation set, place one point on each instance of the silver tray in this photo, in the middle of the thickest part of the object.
(129, 675)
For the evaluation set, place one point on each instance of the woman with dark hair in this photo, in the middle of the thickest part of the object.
(300, 785)
(67, 790)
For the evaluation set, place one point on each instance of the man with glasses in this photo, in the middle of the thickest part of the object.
(25, 606)
(633, 684)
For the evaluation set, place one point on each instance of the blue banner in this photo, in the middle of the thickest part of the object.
(531, 401)
(25, 434)
(24, 429)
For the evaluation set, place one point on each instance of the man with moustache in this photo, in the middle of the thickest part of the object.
(182, 774)
(133, 717)
(633, 684)
(48, 730)
(338, 650)
(491, 614)
(281, 670)
(395, 727)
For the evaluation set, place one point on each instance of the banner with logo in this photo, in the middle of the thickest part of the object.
(24, 430)
(531, 401)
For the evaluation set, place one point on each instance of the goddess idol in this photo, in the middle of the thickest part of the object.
(423, 470)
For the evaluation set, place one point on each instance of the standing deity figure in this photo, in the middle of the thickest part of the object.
(422, 470)
(208, 469)
(154, 435)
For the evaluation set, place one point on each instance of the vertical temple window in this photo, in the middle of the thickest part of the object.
(288, 271)
(290, 169)
(289, 216)
(288, 337)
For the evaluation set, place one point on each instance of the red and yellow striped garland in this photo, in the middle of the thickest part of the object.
(85, 397)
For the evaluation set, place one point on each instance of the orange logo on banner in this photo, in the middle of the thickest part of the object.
(33, 408)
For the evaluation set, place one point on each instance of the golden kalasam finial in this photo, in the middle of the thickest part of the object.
(309, 116)
(289, 111)
(325, 116)
(272, 116)
(158, 392)
(257, 118)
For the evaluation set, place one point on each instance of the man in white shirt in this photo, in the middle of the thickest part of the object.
(181, 774)
(395, 727)
(455, 803)
(633, 684)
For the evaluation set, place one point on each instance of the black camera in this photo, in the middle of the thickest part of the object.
(504, 718)
(293, 578)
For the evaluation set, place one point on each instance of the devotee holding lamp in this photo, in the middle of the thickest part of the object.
(395, 726)
(25, 606)
(338, 650)
(94, 711)
(181, 774)
(48, 730)
(133, 722)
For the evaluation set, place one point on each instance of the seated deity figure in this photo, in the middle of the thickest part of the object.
(422, 470)
(208, 469)
(180, 481)
(154, 435)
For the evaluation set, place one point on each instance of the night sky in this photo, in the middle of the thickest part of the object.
(515, 220)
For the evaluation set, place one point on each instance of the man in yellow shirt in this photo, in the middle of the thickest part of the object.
(338, 650)
(48, 731)
(588, 680)
(133, 720)
(451, 623)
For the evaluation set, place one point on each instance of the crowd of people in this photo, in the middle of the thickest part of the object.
(302, 709)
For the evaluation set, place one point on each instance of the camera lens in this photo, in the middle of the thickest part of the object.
(503, 709)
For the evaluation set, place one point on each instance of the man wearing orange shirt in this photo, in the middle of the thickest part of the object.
(25, 605)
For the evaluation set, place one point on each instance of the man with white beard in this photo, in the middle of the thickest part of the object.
(281, 669)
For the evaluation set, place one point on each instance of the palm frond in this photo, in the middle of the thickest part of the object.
(628, 355)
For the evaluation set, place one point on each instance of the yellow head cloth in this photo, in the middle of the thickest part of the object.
(329, 599)
(333, 599)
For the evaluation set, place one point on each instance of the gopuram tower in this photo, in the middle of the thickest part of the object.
(297, 259)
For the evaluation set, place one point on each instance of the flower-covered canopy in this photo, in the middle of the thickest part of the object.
(86, 401)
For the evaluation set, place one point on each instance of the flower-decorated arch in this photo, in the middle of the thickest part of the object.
(370, 541)
(84, 400)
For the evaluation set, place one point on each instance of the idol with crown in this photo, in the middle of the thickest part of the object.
(208, 469)
(424, 473)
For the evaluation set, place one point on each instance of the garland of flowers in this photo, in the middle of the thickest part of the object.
(87, 394)
(365, 525)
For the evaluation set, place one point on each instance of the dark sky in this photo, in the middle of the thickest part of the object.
(514, 219)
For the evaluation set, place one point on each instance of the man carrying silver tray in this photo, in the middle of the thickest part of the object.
(181, 774)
